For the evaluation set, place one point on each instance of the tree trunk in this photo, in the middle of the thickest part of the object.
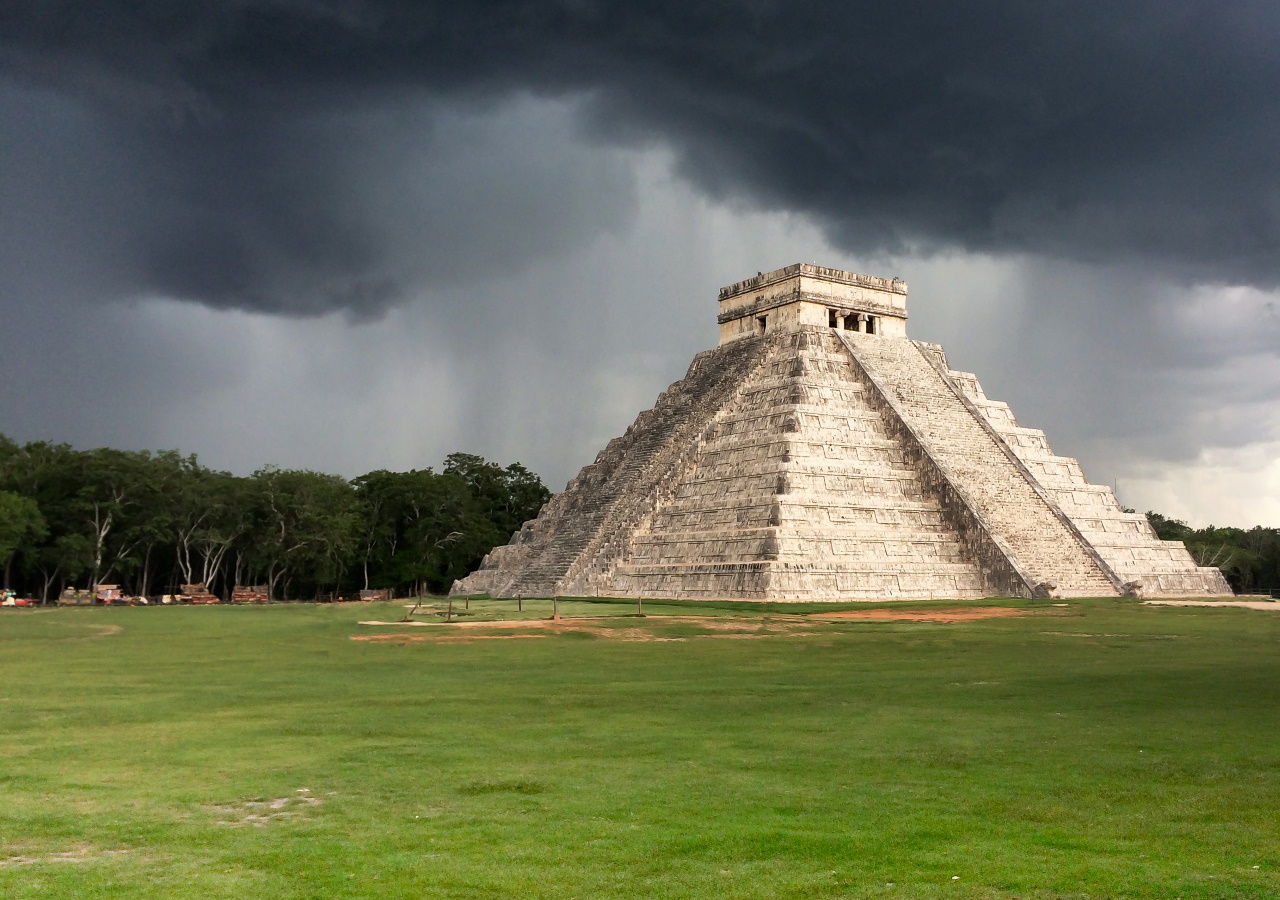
(101, 528)
(184, 555)
(48, 580)
(146, 572)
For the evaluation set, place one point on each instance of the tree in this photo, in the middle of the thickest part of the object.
(150, 528)
(1249, 560)
(49, 474)
(113, 483)
(143, 517)
(447, 530)
(307, 524)
(20, 525)
(64, 559)
(509, 496)
(213, 511)
(1168, 529)
(381, 499)
(420, 528)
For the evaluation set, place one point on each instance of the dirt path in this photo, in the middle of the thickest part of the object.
(628, 628)
(616, 628)
(1269, 605)
(959, 614)
(712, 622)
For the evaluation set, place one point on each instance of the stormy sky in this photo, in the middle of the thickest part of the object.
(352, 235)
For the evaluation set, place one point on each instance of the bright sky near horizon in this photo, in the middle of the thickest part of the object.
(360, 234)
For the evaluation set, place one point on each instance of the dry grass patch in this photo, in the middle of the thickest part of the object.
(957, 614)
(258, 813)
(608, 627)
(82, 853)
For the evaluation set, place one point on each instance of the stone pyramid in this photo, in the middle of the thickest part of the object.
(819, 454)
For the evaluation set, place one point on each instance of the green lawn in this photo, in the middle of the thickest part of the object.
(1104, 749)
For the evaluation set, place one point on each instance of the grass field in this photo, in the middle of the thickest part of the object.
(1100, 749)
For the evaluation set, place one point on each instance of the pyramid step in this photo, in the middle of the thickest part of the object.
(1040, 543)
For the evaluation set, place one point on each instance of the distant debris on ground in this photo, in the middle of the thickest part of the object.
(198, 594)
(76, 597)
(257, 593)
(11, 598)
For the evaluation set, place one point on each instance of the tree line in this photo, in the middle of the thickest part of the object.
(1249, 558)
(152, 521)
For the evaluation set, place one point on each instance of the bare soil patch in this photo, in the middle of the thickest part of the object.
(94, 631)
(258, 813)
(438, 638)
(959, 614)
(82, 854)
(608, 627)
(100, 631)
(1265, 605)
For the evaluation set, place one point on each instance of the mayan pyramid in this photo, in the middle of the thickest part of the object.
(819, 454)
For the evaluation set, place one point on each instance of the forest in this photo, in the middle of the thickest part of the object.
(152, 521)
(1249, 558)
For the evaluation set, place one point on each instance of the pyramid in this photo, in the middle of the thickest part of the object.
(820, 454)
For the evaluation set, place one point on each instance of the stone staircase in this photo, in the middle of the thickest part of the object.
(1125, 540)
(798, 492)
(1038, 541)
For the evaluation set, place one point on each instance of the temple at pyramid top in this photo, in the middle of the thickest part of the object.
(819, 454)
(806, 294)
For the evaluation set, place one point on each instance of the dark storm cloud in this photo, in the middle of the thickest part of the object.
(283, 155)
(340, 206)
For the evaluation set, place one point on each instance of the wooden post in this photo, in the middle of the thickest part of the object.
(639, 606)
(555, 608)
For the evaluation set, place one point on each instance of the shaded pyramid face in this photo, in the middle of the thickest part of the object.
(823, 463)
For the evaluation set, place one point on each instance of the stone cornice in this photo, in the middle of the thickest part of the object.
(839, 276)
(767, 303)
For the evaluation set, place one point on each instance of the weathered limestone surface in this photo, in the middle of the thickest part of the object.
(808, 462)
(800, 490)
(1037, 540)
(586, 519)
(1146, 565)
